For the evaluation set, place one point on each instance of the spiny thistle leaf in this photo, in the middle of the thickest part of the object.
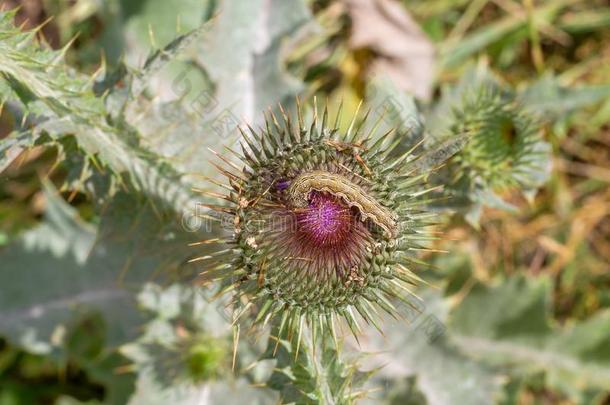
(397, 109)
(246, 63)
(64, 244)
(80, 266)
(184, 351)
(186, 341)
(552, 100)
(509, 325)
(313, 374)
(424, 350)
(13, 145)
(64, 103)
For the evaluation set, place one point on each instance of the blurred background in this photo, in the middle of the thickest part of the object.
(525, 294)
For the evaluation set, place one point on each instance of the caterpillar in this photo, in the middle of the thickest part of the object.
(351, 193)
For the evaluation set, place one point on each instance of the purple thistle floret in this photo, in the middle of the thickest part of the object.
(326, 221)
(283, 185)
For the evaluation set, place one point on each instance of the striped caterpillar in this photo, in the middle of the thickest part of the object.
(351, 193)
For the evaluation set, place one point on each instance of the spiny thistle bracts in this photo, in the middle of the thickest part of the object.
(191, 359)
(505, 148)
(324, 223)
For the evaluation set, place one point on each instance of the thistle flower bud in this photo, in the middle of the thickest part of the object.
(505, 148)
(323, 222)
(192, 359)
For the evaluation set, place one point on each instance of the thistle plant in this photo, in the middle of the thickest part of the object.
(324, 223)
(326, 217)
(502, 151)
(505, 151)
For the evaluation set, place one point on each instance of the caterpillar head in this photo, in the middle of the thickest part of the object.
(323, 222)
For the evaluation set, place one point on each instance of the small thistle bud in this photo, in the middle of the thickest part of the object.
(205, 358)
(323, 222)
(194, 359)
(505, 149)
